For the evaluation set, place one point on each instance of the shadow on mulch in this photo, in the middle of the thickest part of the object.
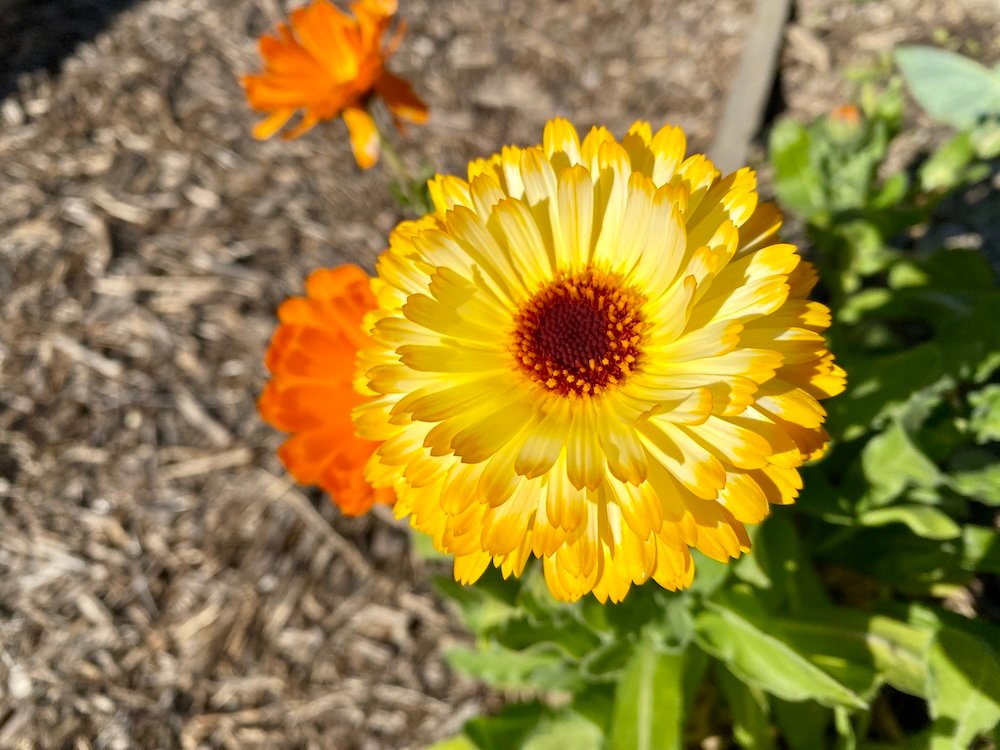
(37, 35)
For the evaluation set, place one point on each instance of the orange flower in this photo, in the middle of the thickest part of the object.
(848, 113)
(311, 393)
(327, 63)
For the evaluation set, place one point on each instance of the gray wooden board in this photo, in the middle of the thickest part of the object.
(748, 94)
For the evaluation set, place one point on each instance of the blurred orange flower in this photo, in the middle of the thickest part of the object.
(311, 359)
(328, 63)
(848, 113)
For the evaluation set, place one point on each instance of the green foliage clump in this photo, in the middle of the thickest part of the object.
(852, 624)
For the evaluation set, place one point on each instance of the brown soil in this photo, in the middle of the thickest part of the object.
(162, 582)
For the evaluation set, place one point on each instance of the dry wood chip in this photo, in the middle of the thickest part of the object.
(97, 362)
(207, 464)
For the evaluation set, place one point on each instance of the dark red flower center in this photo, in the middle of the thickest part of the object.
(579, 334)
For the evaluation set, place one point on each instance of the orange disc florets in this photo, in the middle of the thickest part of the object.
(579, 334)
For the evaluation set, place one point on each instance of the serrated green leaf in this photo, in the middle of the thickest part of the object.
(749, 709)
(923, 520)
(761, 656)
(950, 87)
(649, 702)
(963, 688)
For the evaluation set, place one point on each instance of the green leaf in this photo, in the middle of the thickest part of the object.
(946, 167)
(761, 656)
(958, 270)
(923, 520)
(749, 709)
(892, 462)
(982, 549)
(797, 182)
(646, 605)
(748, 568)
(541, 667)
(891, 193)
(963, 688)
(793, 583)
(985, 139)
(874, 395)
(985, 418)
(485, 605)
(567, 730)
(861, 649)
(898, 650)
(711, 574)
(950, 87)
(649, 702)
(507, 729)
(696, 663)
(896, 557)
(560, 630)
(606, 661)
(539, 619)
(935, 618)
(674, 629)
(595, 702)
(459, 742)
(868, 252)
(803, 725)
(981, 484)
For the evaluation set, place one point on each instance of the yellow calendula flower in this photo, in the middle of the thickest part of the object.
(598, 354)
